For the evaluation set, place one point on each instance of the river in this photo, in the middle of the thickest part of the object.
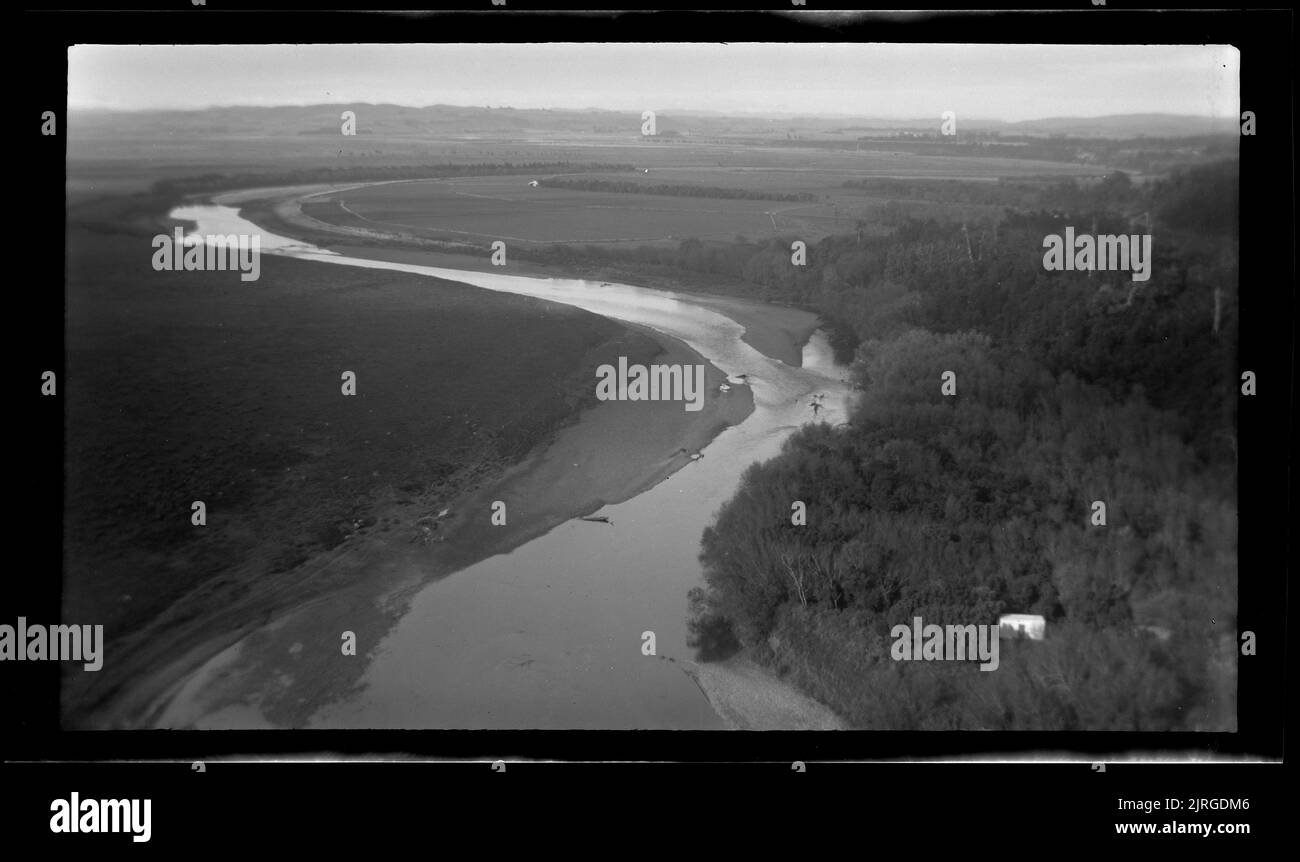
(549, 635)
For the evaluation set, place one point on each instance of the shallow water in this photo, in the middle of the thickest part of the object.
(550, 634)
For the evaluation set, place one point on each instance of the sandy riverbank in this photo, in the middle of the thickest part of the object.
(773, 330)
(747, 696)
(279, 674)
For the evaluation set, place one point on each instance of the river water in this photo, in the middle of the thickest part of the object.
(550, 635)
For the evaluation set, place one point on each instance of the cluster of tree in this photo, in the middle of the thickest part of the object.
(1040, 149)
(1072, 389)
(1115, 191)
(680, 190)
(1175, 200)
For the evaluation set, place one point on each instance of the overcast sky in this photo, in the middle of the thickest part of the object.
(1008, 82)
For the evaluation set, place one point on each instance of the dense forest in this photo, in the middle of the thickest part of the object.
(1071, 387)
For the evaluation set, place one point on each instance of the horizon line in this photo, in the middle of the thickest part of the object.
(776, 115)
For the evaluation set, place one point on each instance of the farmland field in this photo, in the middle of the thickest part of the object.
(508, 208)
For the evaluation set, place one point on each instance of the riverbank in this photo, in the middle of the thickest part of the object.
(748, 696)
(281, 673)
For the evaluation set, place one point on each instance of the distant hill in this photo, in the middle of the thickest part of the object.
(452, 120)
(1128, 126)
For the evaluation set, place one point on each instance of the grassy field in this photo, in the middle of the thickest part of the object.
(196, 386)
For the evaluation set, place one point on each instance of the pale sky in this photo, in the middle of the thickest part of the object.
(1007, 82)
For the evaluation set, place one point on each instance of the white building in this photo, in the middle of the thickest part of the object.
(1031, 626)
